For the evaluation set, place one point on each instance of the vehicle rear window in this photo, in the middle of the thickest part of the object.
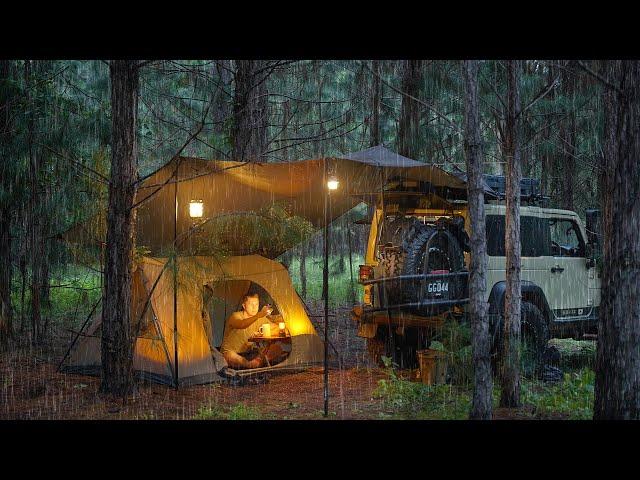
(534, 239)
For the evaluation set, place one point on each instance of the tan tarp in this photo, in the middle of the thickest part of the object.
(230, 187)
(198, 362)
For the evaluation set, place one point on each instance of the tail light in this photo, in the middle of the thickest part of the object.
(439, 272)
(366, 273)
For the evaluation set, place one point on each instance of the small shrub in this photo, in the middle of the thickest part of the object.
(418, 401)
(212, 412)
(573, 397)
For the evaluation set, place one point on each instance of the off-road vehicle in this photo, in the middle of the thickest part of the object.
(417, 268)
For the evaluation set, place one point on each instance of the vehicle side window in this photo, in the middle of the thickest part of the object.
(534, 238)
(566, 240)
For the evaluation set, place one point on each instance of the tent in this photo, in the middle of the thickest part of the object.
(199, 360)
(165, 227)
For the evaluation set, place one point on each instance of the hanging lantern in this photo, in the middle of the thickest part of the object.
(196, 208)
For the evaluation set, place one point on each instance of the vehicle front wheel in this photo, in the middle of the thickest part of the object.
(534, 336)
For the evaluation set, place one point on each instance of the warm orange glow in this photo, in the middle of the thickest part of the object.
(281, 327)
(196, 208)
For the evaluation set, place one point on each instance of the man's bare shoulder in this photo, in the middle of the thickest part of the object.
(236, 316)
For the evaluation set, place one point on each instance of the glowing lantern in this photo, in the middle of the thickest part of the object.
(196, 208)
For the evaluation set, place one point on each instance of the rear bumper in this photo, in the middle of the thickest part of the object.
(417, 294)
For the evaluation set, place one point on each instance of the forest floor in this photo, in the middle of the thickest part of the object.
(31, 388)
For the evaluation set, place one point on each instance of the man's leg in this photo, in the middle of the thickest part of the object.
(274, 353)
(236, 360)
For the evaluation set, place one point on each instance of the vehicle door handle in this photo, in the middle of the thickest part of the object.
(557, 269)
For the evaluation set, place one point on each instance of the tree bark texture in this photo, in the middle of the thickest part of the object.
(250, 111)
(6, 311)
(481, 342)
(567, 134)
(117, 345)
(376, 99)
(617, 387)
(409, 125)
(34, 215)
(510, 378)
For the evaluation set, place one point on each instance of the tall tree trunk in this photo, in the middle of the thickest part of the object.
(510, 394)
(617, 388)
(34, 214)
(376, 99)
(117, 345)
(409, 125)
(546, 137)
(222, 103)
(567, 134)
(6, 311)
(481, 344)
(286, 118)
(250, 111)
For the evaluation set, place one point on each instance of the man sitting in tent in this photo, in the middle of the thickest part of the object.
(239, 327)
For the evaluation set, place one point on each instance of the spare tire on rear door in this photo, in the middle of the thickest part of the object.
(434, 250)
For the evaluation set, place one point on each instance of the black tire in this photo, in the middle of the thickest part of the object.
(399, 234)
(445, 252)
(534, 336)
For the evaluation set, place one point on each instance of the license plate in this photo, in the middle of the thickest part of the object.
(438, 287)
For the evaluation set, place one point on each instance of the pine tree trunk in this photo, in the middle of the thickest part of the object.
(481, 344)
(117, 345)
(33, 214)
(6, 314)
(250, 111)
(409, 125)
(510, 394)
(222, 105)
(617, 387)
(6, 311)
(376, 100)
(567, 134)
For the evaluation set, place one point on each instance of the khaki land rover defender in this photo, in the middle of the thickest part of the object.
(416, 274)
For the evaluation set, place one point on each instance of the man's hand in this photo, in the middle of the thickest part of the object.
(264, 312)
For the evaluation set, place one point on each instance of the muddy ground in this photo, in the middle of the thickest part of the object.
(31, 388)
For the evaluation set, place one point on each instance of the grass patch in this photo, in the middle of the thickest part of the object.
(239, 411)
(411, 400)
(573, 397)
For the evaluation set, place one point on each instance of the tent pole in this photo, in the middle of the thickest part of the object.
(175, 284)
(325, 288)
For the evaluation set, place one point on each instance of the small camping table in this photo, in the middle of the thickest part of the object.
(263, 343)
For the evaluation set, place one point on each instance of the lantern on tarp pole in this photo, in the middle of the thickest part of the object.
(196, 208)
(332, 184)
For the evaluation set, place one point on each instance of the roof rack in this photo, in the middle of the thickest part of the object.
(529, 189)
